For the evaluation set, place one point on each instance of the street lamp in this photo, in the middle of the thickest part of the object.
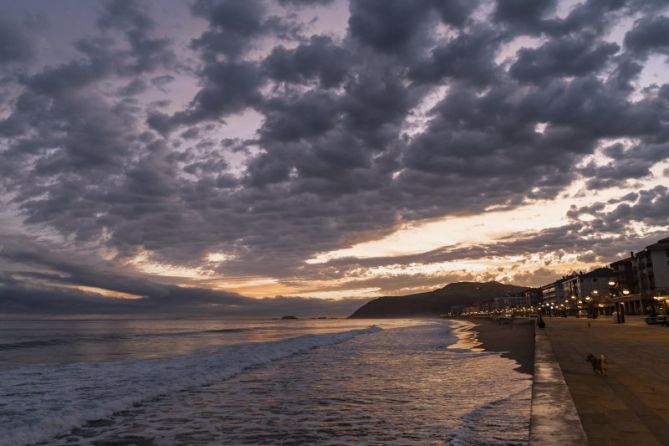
(615, 290)
(591, 312)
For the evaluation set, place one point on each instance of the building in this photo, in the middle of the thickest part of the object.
(534, 296)
(591, 290)
(643, 278)
(637, 283)
(625, 291)
(652, 266)
(627, 274)
(594, 283)
(553, 293)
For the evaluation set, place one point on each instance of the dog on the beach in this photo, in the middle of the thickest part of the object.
(599, 365)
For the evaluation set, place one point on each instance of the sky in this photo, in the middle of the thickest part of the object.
(263, 157)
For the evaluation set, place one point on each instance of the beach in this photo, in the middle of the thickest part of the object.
(628, 406)
(514, 341)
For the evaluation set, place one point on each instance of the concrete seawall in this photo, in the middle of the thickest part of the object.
(629, 406)
(554, 419)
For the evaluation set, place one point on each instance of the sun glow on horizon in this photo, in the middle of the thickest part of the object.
(103, 292)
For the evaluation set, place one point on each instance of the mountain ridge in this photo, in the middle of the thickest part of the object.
(435, 302)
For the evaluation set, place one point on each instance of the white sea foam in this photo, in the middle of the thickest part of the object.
(39, 402)
(465, 336)
(498, 422)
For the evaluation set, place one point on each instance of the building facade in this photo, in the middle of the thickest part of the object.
(653, 269)
(638, 283)
(553, 292)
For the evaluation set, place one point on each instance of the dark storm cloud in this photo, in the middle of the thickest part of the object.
(403, 26)
(230, 83)
(634, 163)
(650, 34)
(596, 16)
(232, 25)
(235, 25)
(455, 12)
(525, 14)
(417, 112)
(229, 87)
(388, 25)
(131, 17)
(319, 58)
(468, 57)
(567, 56)
(294, 118)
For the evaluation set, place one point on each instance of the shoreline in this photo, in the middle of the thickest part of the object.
(554, 419)
(514, 341)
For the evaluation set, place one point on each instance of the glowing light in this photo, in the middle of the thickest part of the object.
(144, 263)
(218, 257)
(103, 292)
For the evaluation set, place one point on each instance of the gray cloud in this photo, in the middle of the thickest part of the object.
(319, 58)
(468, 57)
(566, 56)
(649, 34)
(353, 140)
(526, 14)
(52, 294)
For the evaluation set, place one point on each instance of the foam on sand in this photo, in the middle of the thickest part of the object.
(39, 402)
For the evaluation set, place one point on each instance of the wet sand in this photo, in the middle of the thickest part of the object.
(515, 341)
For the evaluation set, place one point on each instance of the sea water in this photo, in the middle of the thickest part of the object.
(256, 382)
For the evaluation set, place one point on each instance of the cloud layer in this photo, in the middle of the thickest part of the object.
(267, 132)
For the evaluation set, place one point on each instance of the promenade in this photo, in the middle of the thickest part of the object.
(631, 405)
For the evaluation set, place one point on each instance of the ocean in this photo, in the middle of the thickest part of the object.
(271, 382)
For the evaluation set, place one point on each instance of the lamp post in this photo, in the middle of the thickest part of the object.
(588, 299)
(625, 293)
(614, 290)
(595, 294)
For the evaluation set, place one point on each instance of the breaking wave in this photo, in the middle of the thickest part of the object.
(39, 402)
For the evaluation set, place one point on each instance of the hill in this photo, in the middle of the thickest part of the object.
(433, 303)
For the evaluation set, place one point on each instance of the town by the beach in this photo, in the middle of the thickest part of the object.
(618, 313)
